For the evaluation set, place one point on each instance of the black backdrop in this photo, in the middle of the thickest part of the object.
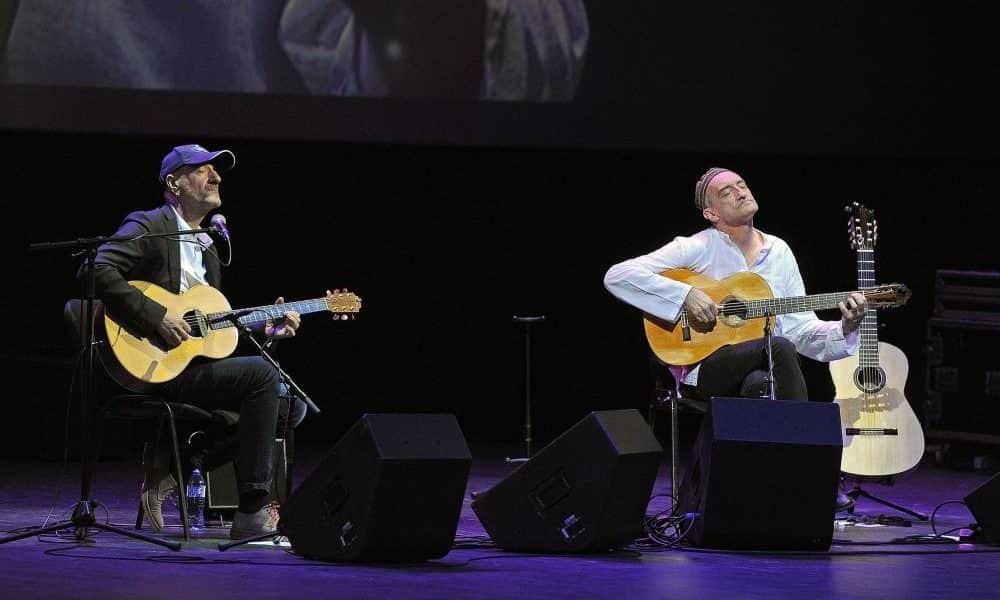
(445, 244)
(450, 218)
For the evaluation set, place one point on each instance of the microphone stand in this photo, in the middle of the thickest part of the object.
(285, 378)
(770, 359)
(526, 321)
(83, 517)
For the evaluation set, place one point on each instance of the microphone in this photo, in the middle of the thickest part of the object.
(219, 225)
(526, 319)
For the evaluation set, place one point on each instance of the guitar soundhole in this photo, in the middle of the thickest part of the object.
(869, 379)
(734, 311)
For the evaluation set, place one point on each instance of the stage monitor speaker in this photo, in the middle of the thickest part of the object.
(984, 504)
(390, 490)
(586, 491)
(221, 495)
(764, 475)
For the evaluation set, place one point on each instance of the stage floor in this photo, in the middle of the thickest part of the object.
(863, 562)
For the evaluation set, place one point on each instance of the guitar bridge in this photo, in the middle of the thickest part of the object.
(870, 431)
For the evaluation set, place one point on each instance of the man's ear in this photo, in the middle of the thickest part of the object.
(710, 216)
(171, 182)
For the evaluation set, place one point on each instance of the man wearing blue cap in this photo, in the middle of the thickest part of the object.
(191, 178)
(729, 245)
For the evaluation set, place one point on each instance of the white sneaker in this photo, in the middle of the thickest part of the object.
(247, 525)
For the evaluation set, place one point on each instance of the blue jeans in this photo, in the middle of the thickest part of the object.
(292, 410)
(250, 386)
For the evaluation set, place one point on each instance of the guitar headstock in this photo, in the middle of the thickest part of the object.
(343, 304)
(862, 226)
(888, 295)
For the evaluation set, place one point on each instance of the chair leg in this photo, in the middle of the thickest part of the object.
(147, 453)
(674, 449)
(181, 494)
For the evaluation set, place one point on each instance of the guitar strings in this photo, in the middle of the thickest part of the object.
(869, 373)
(765, 307)
(270, 312)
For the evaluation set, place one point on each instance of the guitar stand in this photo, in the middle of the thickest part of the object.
(857, 492)
(526, 321)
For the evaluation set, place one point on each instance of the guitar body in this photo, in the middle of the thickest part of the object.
(882, 436)
(885, 409)
(667, 339)
(139, 363)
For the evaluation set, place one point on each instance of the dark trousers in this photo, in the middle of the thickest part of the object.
(735, 370)
(249, 385)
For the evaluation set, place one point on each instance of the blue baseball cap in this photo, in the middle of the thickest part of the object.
(193, 154)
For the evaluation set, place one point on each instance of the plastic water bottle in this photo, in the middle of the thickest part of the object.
(196, 500)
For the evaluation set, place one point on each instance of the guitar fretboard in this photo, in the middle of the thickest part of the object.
(261, 314)
(755, 309)
(868, 354)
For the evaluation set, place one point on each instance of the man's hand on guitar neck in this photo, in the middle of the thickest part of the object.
(853, 309)
(701, 311)
(285, 328)
(173, 330)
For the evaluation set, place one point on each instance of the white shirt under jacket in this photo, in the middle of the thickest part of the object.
(710, 252)
(192, 261)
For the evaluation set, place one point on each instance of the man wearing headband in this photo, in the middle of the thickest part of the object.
(191, 179)
(729, 245)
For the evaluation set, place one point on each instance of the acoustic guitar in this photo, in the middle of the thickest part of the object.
(137, 363)
(882, 436)
(743, 299)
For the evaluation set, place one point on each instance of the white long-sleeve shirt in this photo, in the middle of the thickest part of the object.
(711, 252)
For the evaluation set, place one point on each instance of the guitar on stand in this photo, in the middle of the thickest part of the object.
(882, 436)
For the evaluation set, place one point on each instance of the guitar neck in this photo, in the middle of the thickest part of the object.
(261, 314)
(756, 309)
(868, 353)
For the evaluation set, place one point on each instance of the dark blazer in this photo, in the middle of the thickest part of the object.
(156, 260)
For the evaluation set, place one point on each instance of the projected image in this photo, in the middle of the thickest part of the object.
(521, 50)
